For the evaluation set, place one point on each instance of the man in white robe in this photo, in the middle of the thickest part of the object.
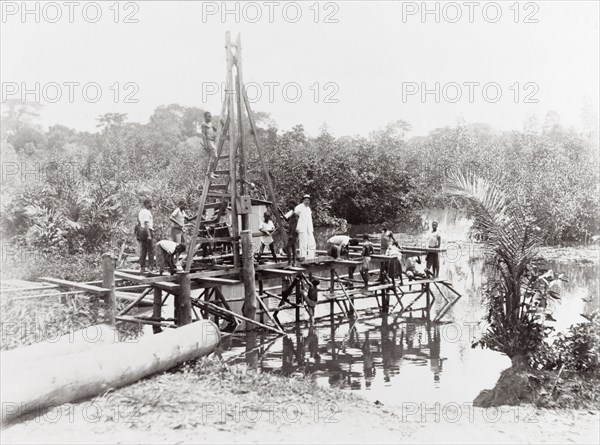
(306, 237)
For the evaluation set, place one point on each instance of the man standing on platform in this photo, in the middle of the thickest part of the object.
(292, 236)
(146, 235)
(434, 240)
(387, 239)
(178, 220)
(305, 229)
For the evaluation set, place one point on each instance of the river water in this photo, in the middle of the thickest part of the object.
(397, 359)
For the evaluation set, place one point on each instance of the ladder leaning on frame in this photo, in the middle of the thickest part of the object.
(226, 166)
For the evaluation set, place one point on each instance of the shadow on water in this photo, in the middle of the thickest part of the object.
(396, 359)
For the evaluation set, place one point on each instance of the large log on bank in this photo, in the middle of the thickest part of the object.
(53, 381)
(71, 343)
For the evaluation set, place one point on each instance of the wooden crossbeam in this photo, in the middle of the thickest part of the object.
(172, 288)
(427, 281)
(346, 294)
(208, 305)
(144, 321)
(81, 286)
(352, 262)
(217, 280)
(135, 302)
(144, 280)
(279, 271)
(268, 312)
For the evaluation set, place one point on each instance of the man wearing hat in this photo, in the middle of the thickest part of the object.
(306, 238)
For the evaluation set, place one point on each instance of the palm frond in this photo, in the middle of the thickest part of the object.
(507, 234)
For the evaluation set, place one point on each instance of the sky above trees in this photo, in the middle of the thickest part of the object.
(358, 67)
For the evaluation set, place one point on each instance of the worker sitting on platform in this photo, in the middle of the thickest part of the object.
(409, 265)
(267, 228)
(367, 251)
(337, 246)
(167, 255)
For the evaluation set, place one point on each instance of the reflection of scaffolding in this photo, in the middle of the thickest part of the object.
(347, 358)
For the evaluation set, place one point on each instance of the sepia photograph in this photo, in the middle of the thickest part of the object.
(311, 222)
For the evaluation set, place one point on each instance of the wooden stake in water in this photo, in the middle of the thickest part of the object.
(184, 299)
(249, 308)
(108, 282)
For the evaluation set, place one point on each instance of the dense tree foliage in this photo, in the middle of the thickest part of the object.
(80, 191)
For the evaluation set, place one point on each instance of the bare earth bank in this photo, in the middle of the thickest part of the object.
(219, 404)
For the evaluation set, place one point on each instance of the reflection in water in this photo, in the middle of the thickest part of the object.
(374, 343)
(394, 358)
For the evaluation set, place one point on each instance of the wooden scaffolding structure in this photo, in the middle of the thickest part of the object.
(230, 188)
(225, 188)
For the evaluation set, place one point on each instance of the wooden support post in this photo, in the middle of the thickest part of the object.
(218, 300)
(249, 308)
(332, 280)
(157, 309)
(230, 93)
(108, 282)
(428, 301)
(351, 270)
(239, 85)
(385, 300)
(331, 311)
(251, 350)
(260, 294)
(285, 284)
(184, 302)
(298, 300)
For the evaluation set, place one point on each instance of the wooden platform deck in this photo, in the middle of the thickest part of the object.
(221, 293)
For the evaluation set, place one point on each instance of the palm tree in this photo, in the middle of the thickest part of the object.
(518, 289)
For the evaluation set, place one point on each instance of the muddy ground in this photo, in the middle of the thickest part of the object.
(213, 403)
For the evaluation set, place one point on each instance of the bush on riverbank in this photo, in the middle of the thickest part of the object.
(577, 350)
(562, 374)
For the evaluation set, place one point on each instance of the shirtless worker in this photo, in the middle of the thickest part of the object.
(209, 138)
(292, 218)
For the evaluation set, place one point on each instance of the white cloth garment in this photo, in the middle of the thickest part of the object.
(144, 216)
(306, 238)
